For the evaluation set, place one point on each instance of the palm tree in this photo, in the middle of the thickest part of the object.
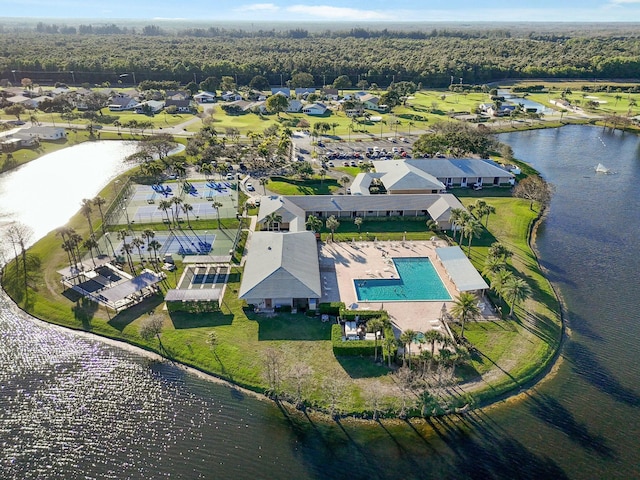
(433, 336)
(272, 219)
(323, 173)
(148, 235)
(472, 228)
(176, 202)
(499, 250)
(99, 202)
(499, 279)
(345, 180)
(456, 219)
(217, 205)
(85, 209)
(155, 246)
(492, 265)
(313, 223)
(127, 248)
(186, 208)
(388, 343)
(165, 205)
(465, 308)
(138, 242)
(358, 222)
(407, 337)
(264, 181)
(90, 243)
(516, 290)
(332, 224)
(374, 326)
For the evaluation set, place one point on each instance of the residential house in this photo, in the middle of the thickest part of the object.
(282, 269)
(245, 106)
(177, 95)
(120, 103)
(25, 101)
(303, 93)
(28, 137)
(295, 106)
(205, 97)
(182, 106)
(286, 91)
(149, 107)
(331, 94)
(315, 109)
(371, 102)
(231, 96)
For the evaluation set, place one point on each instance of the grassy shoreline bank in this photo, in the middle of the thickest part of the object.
(243, 336)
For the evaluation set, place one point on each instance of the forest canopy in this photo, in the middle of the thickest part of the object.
(434, 58)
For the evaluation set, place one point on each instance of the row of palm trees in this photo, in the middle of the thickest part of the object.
(468, 223)
(177, 204)
(508, 286)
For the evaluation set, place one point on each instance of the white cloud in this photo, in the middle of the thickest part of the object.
(619, 2)
(336, 13)
(258, 7)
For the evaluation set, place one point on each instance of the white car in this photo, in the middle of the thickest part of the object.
(250, 187)
(230, 176)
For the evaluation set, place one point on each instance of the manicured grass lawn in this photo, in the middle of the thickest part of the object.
(314, 186)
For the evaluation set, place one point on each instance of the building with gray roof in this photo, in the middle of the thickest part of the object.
(281, 269)
(295, 209)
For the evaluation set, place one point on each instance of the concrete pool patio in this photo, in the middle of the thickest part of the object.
(342, 262)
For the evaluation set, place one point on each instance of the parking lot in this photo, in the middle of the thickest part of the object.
(340, 153)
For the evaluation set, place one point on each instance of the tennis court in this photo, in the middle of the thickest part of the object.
(183, 242)
(143, 205)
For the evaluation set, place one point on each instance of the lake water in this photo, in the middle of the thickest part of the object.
(75, 407)
(46, 193)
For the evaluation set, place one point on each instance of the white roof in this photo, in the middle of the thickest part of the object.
(460, 269)
(281, 265)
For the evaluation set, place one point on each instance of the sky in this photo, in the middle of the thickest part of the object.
(332, 10)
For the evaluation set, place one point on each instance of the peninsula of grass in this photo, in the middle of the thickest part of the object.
(508, 353)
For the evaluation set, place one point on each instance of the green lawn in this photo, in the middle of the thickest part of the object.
(314, 186)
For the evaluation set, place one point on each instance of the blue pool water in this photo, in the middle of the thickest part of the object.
(418, 280)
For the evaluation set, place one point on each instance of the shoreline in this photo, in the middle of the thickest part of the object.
(479, 385)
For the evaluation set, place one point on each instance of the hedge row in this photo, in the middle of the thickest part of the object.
(352, 348)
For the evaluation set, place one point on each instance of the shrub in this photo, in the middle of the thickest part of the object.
(332, 308)
(351, 348)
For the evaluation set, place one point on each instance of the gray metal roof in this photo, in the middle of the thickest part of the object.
(460, 269)
(200, 294)
(458, 167)
(281, 265)
(130, 287)
(354, 203)
(402, 175)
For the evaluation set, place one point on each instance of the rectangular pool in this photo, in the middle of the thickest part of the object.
(418, 281)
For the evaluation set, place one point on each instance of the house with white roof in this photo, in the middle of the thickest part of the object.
(121, 103)
(295, 106)
(205, 97)
(371, 102)
(315, 109)
(281, 269)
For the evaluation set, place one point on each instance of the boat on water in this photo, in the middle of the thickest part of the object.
(600, 168)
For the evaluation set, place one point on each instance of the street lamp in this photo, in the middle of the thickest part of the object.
(73, 76)
(15, 80)
(122, 75)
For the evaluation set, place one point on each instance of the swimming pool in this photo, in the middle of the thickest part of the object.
(418, 281)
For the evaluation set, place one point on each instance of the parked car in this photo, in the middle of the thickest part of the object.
(250, 187)
(230, 176)
(331, 164)
(353, 163)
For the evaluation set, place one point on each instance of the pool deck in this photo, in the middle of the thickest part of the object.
(362, 260)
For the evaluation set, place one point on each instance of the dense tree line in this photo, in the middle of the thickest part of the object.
(380, 57)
